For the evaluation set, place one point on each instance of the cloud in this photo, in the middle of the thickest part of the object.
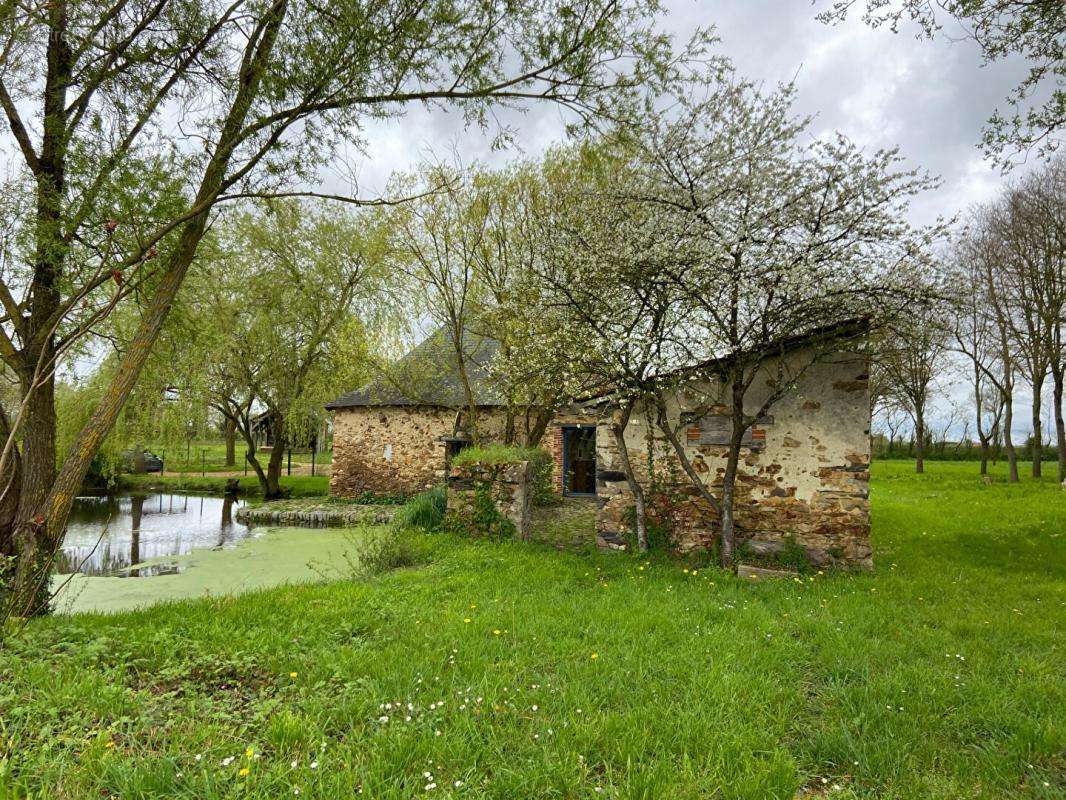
(878, 88)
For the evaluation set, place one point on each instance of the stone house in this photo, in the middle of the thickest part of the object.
(804, 470)
(803, 473)
(398, 433)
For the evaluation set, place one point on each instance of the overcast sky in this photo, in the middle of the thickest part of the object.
(879, 89)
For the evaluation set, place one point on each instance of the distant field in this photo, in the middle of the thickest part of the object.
(296, 485)
(210, 456)
(514, 670)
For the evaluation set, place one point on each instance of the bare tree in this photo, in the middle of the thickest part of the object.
(974, 336)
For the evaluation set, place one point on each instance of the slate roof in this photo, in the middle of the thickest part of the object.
(429, 376)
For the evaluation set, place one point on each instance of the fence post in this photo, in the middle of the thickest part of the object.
(290, 462)
(203, 466)
(162, 463)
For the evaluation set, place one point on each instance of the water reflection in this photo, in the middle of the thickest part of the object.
(136, 528)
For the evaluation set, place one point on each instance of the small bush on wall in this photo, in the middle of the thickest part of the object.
(540, 461)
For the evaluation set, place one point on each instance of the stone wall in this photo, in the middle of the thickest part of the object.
(804, 474)
(387, 449)
(390, 449)
(507, 486)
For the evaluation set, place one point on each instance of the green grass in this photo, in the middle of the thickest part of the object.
(296, 485)
(532, 673)
(210, 456)
(496, 454)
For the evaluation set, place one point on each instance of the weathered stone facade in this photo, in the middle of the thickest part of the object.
(401, 449)
(507, 486)
(804, 473)
(396, 449)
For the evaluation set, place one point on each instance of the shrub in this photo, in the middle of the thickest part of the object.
(424, 511)
(540, 460)
(792, 555)
(380, 552)
(492, 454)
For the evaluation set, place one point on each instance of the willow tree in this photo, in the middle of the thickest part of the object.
(283, 307)
(134, 119)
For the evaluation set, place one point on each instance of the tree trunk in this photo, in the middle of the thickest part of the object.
(509, 426)
(1008, 441)
(270, 478)
(1060, 428)
(230, 431)
(1037, 445)
(535, 432)
(618, 428)
(984, 456)
(272, 490)
(729, 479)
(919, 437)
(42, 518)
(9, 501)
(679, 450)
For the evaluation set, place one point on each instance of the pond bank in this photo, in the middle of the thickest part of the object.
(316, 513)
(287, 555)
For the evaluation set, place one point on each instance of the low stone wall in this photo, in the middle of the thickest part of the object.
(508, 487)
(314, 514)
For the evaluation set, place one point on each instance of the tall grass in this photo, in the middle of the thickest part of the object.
(424, 511)
(511, 670)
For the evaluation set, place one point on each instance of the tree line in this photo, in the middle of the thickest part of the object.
(997, 328)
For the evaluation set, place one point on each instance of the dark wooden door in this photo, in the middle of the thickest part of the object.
(580, 463)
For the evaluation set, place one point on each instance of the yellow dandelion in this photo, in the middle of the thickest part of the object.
(594, 656)
(497, 632)
(243, 771)
(466, 619)
(109, 744)
(249, 752)
(293, 674)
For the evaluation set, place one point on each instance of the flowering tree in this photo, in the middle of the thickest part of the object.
(758, 239)
(596, 314)
(134, 119)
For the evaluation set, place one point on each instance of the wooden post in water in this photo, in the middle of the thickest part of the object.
(203, 467)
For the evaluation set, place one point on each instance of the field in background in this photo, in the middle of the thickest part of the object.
(514, 670)
(210, 456)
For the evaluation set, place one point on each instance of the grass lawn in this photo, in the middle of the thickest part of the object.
(518, 671)
(210, 456)
(297, 485)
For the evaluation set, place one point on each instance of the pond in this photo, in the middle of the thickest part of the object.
(129, 551)
(111, 535)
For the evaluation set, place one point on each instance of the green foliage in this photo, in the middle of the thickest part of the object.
(658, 526)
(946, 682)
(424, 511)
(540, 461)
(484, 520)
(378, 499)
(380, 551)
(791, 556)
(492, 455)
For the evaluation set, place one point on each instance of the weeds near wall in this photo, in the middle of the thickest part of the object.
(484, 520)
(424, 511)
